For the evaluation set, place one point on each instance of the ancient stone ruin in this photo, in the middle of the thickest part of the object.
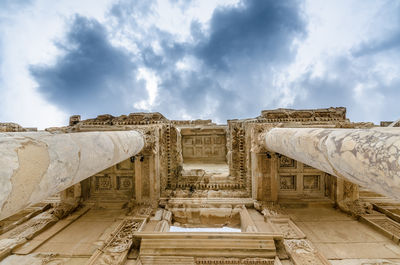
(290, 187)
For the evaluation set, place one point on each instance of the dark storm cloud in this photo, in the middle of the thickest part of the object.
(233, 62)
(92, 75)
(258, 29)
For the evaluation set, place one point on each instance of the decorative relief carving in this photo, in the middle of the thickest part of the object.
(124, 183)
(139, 118)
(151, 141)
(207, 148)
(299, 246)
(37, 223)
(122, 241)
(33, 227)
(235, 261)
(287, 228)
(116, 249)
(287, 182)
(286, 162)
(385, 224)
(285, 115)
(141, 211)
(350, 190)
(389, 225)
(356, 207)
(103, 182)
(11, 127)
(300, 179)
(238, 152)
(303, 253)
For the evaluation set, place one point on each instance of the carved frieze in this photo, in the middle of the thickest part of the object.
(139, 118)
(285, 115)
(235, 261)
(287, 228)
(116, 247)
(384, 224)
(124, 237)
(11, 127)
(303, 253)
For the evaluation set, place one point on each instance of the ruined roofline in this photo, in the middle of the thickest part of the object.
(280, 114)
(298, 115)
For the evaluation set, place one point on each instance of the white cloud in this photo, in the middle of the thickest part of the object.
(27, 37)
(152, 81)
(335, 29)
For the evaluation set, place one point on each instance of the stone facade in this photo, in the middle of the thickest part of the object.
(136, 180)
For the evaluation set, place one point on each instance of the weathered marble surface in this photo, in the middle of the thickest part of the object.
(35, 166)
(368, 157)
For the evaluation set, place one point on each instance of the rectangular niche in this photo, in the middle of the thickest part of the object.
(311, 182)
(286, 162)
(103, 182)
(287, 182)
(124, 183)
(224, 229)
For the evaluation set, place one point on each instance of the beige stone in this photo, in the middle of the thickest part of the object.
(35, 167)
(109, 189)
(367, 157)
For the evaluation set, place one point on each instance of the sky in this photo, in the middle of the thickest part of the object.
(197, 59)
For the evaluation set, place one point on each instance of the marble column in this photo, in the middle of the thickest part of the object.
(367, 157)
(34, 166)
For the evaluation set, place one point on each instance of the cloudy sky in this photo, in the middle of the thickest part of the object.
(193, 59)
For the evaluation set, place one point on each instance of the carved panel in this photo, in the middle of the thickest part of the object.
(287, 228)
(389, 225)
(124, 237)
(207, 148)
(116, 248)
(303, 253)
(235, 261)
(287, 182)
(238, 168)
(124, 183)
(115, 185)
(286, 162)
(103, 182)
(307, 180)
(385, 224)
(311, 182)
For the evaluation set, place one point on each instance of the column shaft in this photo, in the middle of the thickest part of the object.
(35, 166)
(367, 157)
